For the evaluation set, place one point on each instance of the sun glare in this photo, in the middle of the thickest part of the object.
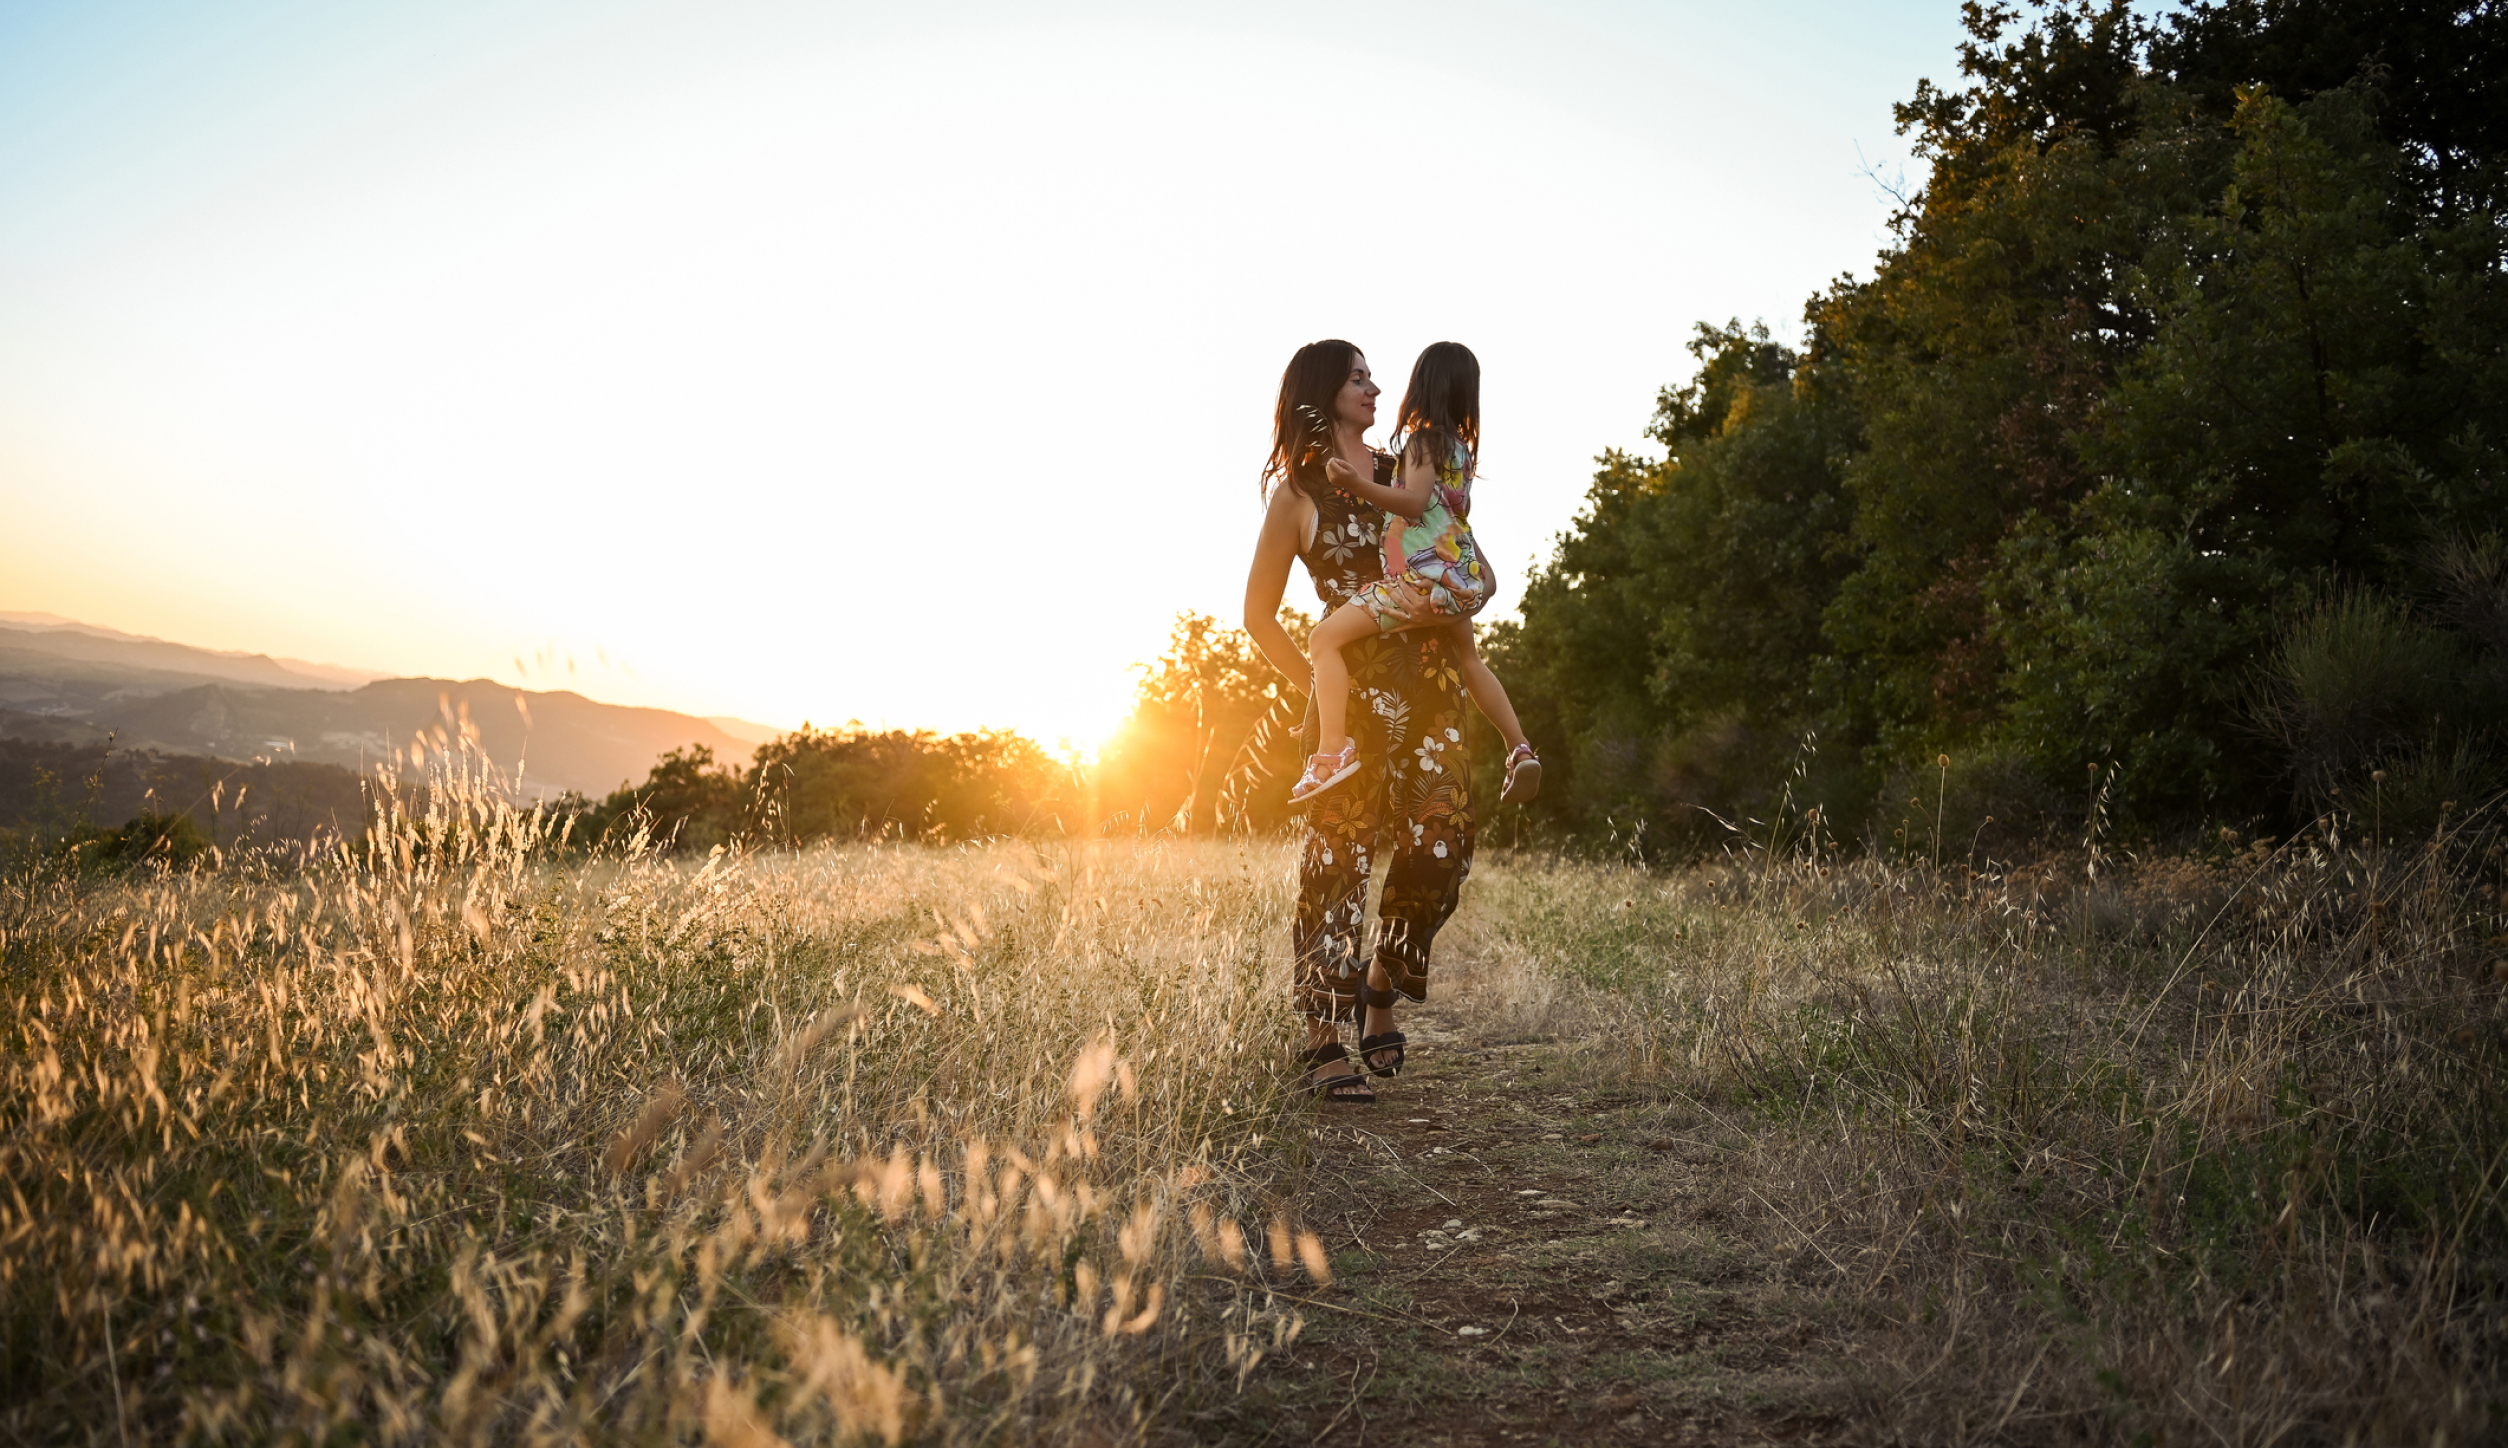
(1080, 725)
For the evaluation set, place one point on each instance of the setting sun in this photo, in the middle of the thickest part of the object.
(1080, 727)
(806, 365)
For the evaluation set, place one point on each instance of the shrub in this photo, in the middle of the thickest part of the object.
(2362, 682)
(159, 839)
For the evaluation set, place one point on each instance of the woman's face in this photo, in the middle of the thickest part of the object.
(1355, 404)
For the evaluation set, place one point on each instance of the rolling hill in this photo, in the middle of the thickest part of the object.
(71, 686)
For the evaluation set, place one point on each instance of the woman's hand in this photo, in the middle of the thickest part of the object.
(1340, 474)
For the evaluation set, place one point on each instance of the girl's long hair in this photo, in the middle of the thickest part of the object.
(1300, 440)
(1441, 406)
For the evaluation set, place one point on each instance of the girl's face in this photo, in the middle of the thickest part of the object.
(1355, 404)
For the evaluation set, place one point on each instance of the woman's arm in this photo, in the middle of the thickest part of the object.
(1267, 582)
(1407, 500)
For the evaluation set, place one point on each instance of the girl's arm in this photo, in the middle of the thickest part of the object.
(1407, 500)
(1284, 528)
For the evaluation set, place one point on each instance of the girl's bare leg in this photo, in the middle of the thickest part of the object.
(1347, 625)
(1487, 692)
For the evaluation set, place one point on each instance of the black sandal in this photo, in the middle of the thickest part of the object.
(1350, 1090)
(1392, 1041)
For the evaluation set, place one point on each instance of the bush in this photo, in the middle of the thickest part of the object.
(857, 783)
(843, 784)
(169, 840)
(2375, 704)
(1974, 807)
(2346, 681)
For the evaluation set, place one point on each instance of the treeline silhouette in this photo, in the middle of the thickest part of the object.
(2155, 474)
(1197, 726)
(117, 807)
(1209, 745)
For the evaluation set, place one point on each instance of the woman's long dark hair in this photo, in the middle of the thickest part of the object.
(1441, 406)
(1300, 440)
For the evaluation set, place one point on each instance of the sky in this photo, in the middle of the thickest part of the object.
(909, 364)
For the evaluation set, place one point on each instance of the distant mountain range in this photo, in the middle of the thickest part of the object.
(68, 638)
(71, 683)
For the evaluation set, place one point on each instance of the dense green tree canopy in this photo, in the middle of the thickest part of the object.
(2193, 333)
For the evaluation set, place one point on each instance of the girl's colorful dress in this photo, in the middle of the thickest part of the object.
(1434, 571)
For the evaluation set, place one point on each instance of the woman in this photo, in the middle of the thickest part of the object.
(1413, 798)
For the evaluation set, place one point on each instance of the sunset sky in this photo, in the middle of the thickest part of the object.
(903, 363)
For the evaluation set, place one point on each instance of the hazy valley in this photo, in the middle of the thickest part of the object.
(300, 730)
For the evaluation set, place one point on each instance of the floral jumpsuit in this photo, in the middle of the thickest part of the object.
(1412, 796)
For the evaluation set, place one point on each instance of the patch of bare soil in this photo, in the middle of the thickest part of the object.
(1526, 1254)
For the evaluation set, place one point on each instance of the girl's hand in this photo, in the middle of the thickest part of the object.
(1340, 474)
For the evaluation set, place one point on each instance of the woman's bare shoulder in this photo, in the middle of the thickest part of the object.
(1288, 501)
(1290, 515)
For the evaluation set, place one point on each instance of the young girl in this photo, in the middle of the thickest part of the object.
(1435, 576)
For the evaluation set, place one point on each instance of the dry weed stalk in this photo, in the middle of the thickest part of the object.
(441, 1137)
(2193, 1149)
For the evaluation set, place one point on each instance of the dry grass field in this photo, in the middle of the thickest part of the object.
(451, 1142)
(459, 1139)
(2180, 1151)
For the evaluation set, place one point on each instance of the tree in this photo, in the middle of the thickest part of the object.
(2431, 70)
(687, 801)
(862, 783)
(2317, 403)
(1676, 636)
(2195, 328)
(1196, 707)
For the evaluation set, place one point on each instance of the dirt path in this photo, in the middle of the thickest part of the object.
(1527, 1255)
